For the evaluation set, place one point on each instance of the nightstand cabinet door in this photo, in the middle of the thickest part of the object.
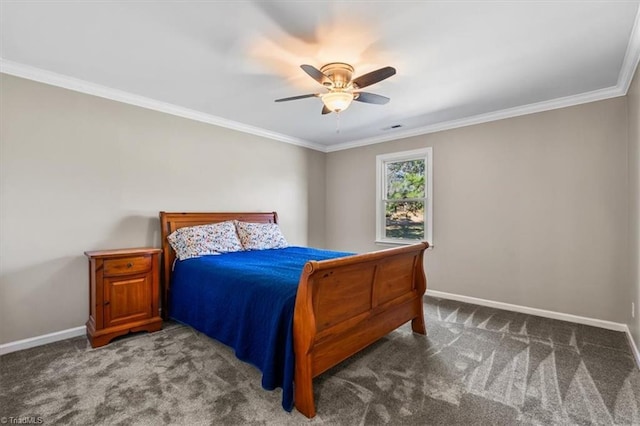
(127, 299)
(124, 293)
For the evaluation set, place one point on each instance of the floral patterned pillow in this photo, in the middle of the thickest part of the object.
(195, 241)
(260, 236)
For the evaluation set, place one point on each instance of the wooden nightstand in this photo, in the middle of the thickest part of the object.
(123, 293)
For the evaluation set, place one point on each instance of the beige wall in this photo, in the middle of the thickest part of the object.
(633, 99)
(80, 173)
(534, 210)
(531, 210)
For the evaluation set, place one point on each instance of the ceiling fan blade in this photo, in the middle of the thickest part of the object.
(293, 98)
(315, 73)
(373, 77)
(325, 110)
(371, 98)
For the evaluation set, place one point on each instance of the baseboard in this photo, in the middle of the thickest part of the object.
(609, 325)
(81, 331)
(634, 347)
(42, 340)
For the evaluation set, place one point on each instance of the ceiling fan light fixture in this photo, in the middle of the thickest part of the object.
(336, 77)
(337, 100)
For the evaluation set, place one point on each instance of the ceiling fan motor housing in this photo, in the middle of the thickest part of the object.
(339, 73)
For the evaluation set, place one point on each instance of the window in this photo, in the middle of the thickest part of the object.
(404, 201)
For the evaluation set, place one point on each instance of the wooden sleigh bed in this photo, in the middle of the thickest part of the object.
(342, 305)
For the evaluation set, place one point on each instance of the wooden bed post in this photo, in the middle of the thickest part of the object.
(167, 263)
(417, 324)
(304, 331)
(303, 386)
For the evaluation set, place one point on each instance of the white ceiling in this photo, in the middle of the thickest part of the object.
(225, 62)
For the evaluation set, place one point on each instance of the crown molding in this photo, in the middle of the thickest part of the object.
(83, 86)
(631, 57)
(627, 71)
(582, 98)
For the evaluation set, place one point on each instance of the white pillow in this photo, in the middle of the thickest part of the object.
(201, 240)
(260, 236)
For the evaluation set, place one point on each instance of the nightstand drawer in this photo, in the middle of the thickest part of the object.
(126, 265)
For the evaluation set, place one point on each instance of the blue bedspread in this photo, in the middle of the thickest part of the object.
(246, 301)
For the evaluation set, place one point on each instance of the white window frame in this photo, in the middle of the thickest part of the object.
(425, 154)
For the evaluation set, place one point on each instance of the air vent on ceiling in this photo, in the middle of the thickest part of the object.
(395, 126)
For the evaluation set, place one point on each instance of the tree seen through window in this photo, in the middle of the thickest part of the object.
(404, 201)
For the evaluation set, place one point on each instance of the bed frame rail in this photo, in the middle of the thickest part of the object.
(344, 305)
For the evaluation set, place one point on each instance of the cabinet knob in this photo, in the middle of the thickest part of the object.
(129, 265)
(106, 303)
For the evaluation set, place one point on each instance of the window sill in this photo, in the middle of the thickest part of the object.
(399, 243)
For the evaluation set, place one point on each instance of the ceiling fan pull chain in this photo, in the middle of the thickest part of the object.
(338, 122)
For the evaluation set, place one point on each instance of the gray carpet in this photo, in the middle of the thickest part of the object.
(477, 366)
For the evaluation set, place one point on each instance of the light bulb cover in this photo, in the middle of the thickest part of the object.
(337, 100)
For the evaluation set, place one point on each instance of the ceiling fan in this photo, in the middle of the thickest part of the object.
(336, 77)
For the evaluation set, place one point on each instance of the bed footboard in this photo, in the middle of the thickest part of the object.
(344, 305)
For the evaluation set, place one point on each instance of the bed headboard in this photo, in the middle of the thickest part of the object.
(169, 222)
